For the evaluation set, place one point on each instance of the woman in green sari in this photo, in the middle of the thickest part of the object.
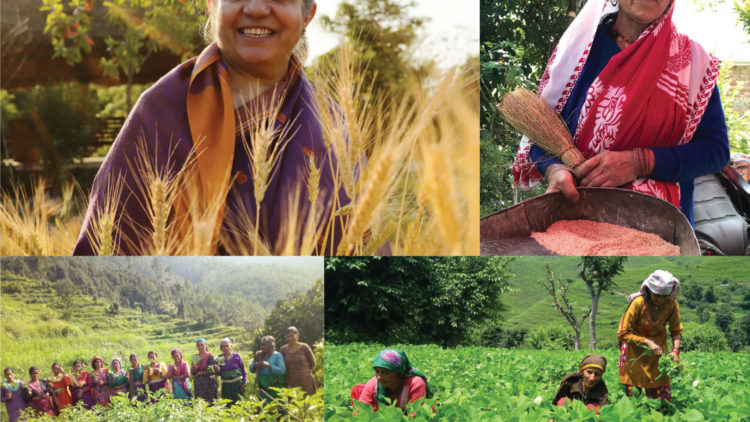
(136, 386)
(117, 378)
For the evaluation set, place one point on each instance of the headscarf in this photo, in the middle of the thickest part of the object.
(623, 101)
(396, 361)
(176, 351)
(593, 361)
(202, 340)
(93, 359)
(659, 282)
(119, 361)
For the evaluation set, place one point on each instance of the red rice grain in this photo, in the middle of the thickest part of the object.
(586, 237)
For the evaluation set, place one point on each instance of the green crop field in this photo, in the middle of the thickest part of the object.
(488, 384)
(34, 334)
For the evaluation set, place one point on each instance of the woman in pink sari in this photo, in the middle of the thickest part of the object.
(640, 100)
(99, 382)
(38, 393)
(178, 374)
(204, 367)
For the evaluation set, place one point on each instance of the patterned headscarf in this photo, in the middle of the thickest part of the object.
(396, 361)
(661, 283)
(202, 340)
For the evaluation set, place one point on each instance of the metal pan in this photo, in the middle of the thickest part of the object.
(507, 232)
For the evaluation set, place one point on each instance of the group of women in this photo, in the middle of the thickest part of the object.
(642, 336)
(290, 367)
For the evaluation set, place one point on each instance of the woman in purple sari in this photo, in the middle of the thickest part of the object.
(38, 394)
(11, 393)
(210, 106)
(231, 367)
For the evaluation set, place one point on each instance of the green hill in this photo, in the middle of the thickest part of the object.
(529, 305)
(34, 333)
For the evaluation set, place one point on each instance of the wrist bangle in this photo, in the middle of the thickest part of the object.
(676, 350)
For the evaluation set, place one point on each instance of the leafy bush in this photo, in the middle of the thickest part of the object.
(550, 337)
(703, 337)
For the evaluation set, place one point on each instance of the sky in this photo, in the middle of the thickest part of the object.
(451, 34)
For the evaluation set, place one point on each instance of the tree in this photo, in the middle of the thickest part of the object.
(412, 299)
(724, 318)
(703, 314)
(598, 274)
(302, 310)
(139, 28)
(66, 291)
(692, 292)
(709, 296)
(382, 34)
(558, 290)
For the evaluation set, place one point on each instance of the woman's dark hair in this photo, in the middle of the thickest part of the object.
(77, 361)
(292, 329)
(150, 352)
(55, 364)
(132, 355)
(32, 369)
(5, 371)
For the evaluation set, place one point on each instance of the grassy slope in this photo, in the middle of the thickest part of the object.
(529, 305)
(33, 333)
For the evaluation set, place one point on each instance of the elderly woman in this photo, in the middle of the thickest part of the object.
(156, 374)
(202, 366)
(268, 364)
(212, 105)
(80, 385)
(38, 393)
(59, 384)
(99, 382)
(231, 369)
(649, 131)
(178, 374)
(299, 361)
(643, 335)
(585, 385)
(136, 385)
(395, 382)
(11, 393)
(117, 377)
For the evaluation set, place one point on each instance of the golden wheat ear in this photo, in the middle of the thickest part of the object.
(104, 233)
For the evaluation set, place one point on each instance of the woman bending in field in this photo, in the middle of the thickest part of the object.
(243, 101)
(643, 335)
(586, 385)
(395, 382)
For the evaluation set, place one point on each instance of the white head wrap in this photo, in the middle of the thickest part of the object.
(659, 282)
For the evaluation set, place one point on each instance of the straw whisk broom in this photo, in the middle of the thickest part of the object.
(531, 116)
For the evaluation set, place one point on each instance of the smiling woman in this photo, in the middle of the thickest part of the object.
(215, 154)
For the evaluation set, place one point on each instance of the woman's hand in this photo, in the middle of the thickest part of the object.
(654, 347)
(562, 180)
(675, 356)
(609, 169)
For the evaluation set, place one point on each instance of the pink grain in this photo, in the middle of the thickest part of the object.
(585, 237)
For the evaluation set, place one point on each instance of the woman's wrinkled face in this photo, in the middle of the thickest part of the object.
(78, 367)
(387, 378)
(643, 11)
(259, 33)
(266, 347)
(591, 377)
(10, 375)
(134, 361)
(226, 348)
(201, 346)
(116, 365)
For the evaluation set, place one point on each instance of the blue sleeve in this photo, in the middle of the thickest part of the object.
(251, 367)
(277, 364)
(707, 152)
(542, 159)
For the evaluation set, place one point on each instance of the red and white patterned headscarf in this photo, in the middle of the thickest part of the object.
(661, 283)
(651, 94)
